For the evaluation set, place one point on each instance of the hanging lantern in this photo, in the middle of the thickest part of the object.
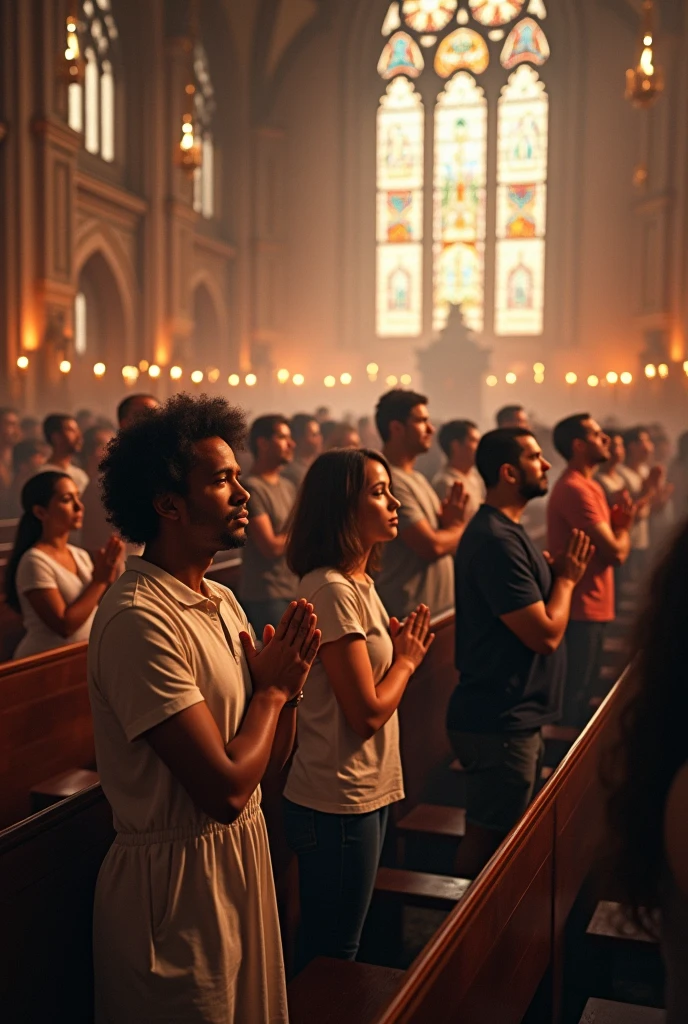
(72, 67)
(645, 81)
(189, 152)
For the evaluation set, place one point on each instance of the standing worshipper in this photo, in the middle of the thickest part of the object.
(187, 716)
(646, 486)
(307, 438)
(65, 439)
(512, 609)
(459, 441)
(347, 770)
(417, 566)
(133, 406)
(267, 584)
(10, 433)
(579, 502)
(512, 416)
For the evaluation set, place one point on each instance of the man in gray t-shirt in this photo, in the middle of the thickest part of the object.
(417, 567)
(267, 585)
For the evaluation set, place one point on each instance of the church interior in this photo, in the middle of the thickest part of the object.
(296, 207)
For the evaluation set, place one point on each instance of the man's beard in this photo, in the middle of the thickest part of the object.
(528, 491)
(232, 540)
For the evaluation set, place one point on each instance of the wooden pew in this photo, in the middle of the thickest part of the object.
(488, 958)
(45, 724)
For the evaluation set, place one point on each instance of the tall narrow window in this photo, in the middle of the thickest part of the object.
(456, 48)
(459, 200)
(80, 324)
(91, 108)
(400, 125)
(204, 108)
(521, 204)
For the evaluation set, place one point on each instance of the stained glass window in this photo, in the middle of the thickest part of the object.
(495, 12)
(428, 15)
(91, 107)
(204, 108)
(537, 7)
(400, 126)
(522, 130)
(459, 200)
(464, 48)
(525, 42)
(400, 56)
(392, 20)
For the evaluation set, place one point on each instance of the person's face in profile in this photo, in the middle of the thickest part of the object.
(377, 507)
(213, 511)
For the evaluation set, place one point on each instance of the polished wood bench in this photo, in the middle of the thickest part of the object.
(59, 787)
(604, 1011)
(340, 992)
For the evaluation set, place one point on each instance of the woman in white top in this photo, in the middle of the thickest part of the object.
(346, 770)
(53, 585)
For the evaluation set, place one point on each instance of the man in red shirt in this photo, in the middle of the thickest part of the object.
(578, 502)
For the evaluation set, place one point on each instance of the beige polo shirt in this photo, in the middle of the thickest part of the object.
(334, 770)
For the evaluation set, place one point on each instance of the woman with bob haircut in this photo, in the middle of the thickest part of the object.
(347, 769)
(53, 584)
(647, 774)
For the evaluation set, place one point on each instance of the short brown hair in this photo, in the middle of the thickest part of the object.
(324, 528)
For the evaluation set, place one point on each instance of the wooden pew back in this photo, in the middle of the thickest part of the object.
(45, 724)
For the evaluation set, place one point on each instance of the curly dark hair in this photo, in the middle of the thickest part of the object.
(652, 743)
(154, 456)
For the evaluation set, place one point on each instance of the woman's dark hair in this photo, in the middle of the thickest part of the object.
(154, 455)
(324, 526)
(38, 490)
(652, 743)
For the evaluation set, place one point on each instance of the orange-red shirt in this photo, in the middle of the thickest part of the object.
(577, 503)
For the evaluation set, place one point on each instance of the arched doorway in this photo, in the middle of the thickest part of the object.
(206, 332)
(99, 322)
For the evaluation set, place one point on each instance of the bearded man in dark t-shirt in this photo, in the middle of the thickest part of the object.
(512, 609)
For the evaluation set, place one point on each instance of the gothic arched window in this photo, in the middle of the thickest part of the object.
(91, 106)
(204, 108)
(449, 50)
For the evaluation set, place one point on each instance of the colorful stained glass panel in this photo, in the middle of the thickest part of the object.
(400, 126)
(495, 12)
(459, 200)
(522, 129)
(525, 42)
(463, 48)
(428, 15)
(400, 56)
(392, 20)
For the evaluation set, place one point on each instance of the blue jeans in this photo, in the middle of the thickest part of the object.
(338, 857)
(263, 613)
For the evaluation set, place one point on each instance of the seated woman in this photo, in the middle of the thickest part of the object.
(53, 585)
(648, 774)
(347, 769)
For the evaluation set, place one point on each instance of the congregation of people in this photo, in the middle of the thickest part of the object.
(353, 539)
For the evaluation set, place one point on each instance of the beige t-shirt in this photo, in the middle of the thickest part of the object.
(334, 770)
(38, 571)
(78, 475)
(406, 579)
(472, 484)
(265, 578)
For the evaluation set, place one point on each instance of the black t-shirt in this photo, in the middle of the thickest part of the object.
(504, 686)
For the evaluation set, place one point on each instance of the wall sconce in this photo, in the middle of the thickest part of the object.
(645, 81)
(189, 155)
(72, 67)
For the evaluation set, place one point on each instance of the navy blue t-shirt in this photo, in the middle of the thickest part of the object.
(504, 686)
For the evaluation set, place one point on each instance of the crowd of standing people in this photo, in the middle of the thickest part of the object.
(349, 551)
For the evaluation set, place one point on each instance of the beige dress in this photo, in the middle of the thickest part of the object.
(185, 918)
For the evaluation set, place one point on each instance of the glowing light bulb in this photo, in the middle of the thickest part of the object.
(372, 368)
(23, 362)
(283, 376)
(175, 372)
(130, 373)
(154, 370)
(298, 379)
(685, 365)
(539, 378)
(405, 379)
(646, 65)
(663, 370)
(65, 366)
(345, 378)
(213, 375)
(650, 371)
(143, 365)
(250, 379)
(570, 377)
(647, 40)
(538, 367)
(329, 381)
(233, 380)
(593, 381)
(391, 381)
(197, 376)
(612, 377)
(511, 378)
(99, 369)
(626, 377)
(491, 381)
